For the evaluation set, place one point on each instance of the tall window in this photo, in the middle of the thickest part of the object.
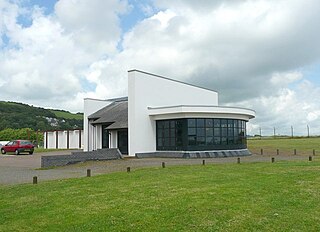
(169, 134)
(201, 134)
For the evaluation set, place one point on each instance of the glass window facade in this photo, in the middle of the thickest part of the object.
(201, 134)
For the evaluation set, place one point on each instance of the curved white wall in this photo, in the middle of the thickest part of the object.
(200, 111)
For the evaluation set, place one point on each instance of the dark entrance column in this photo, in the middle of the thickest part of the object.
(105, 136)
(123, 141)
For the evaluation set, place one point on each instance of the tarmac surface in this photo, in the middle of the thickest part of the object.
(21, 169)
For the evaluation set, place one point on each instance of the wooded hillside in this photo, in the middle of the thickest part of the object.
(18, 115)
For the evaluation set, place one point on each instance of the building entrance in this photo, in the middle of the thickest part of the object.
(123, 141)
(105, 137)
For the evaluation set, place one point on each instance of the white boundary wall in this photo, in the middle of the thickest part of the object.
(73, 137)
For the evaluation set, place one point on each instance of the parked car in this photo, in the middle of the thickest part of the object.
(18, 146)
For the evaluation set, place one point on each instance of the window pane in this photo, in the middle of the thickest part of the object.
(217, 140)
(217, 123)
(166, 124)
(235, 123)
(224, 132)
(239, 132)
(191, 122)
(216, 131)
(209, 122)
(179, 124)
(235, 131)
(230, 140)
(172, 142)
(230, 123)
(224, 140)
(191, 131)
(230, 132)
(160, 133)
(200, 132)
(172, 133)
(172, 124)
(166, 133)
(160, 142)
(166, 142)
(224, 123)
(209, 132)
(201, 141)
(160, 124)
(200, 122)
(209, 140)
(236, 138)
(191, 140)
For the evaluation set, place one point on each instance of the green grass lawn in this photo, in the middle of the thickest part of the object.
(67, 115)
(282, 196)
(286, 146)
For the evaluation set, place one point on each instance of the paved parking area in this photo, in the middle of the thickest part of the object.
(28, 161)
(21, 169)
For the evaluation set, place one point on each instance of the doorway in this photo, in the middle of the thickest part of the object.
(105, 136)
(123, 141)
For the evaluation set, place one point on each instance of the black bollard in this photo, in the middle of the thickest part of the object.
(203, 162)
(35, 180)
(128, 169)
(272, 160)
(163, 164)
(238, 160)
(88, 172)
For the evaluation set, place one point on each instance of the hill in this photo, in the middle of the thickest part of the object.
(18, 115)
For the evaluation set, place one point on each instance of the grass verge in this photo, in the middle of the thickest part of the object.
(286, 146)
(282, 196)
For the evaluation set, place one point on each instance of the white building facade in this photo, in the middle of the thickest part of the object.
(164, 116)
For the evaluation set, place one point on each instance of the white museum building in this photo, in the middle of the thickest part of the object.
(162, 117)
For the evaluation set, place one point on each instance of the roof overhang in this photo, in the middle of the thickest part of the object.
(200, 111)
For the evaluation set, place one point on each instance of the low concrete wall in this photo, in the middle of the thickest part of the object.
(76, 157)
(195, 154)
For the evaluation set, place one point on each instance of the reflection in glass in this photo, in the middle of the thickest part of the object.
(200, 134)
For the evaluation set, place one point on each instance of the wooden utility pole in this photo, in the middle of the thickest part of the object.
(260, 132)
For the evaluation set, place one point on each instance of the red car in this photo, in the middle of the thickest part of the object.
(18, 146)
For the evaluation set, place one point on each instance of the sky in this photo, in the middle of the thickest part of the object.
(263, 55)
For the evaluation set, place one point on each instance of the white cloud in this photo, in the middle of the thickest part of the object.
(47, 62)
(283, 79)
(298, 108)
(94, 24)
(252, 52)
